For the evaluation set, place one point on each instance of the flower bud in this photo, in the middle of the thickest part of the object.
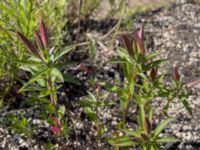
(39, 40)
(32, 49)
(43, 32)
(153, 74)
(129, 45)
(176, 74)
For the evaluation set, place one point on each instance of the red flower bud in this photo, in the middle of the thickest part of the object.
(56, 121)
(43, 32)
(39, 40)
(129, 45)
(55, 129)
(176, 74)
(153, 74)
(32, 49)
(138, 43)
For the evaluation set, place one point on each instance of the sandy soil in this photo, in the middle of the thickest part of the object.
(105, 6)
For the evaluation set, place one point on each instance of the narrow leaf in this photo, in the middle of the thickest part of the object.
(167, 139)
(135, 133)
(63, 52)
(121, 141)
(161, 126)
(34, 79)
(187, 106)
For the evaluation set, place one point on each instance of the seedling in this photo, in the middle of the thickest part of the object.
(93, 106)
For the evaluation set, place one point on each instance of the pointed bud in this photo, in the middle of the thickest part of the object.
(39, 40)
(32, 49)
(153, 74)
(43, 32)
(129, 45)
(138, 43)
(176, 74)
(147, 126)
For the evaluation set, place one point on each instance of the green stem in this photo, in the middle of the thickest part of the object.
(52, 88)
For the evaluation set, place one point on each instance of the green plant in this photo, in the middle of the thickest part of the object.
(20, 124)
(148, 139)
(43, 64)
(93, 106)
(22, 15)
(141, 87)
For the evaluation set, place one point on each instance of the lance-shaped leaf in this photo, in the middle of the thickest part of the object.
(161, 126)
(121, 141)
(43, 32)
(39, 40)
(129, 45)
(32, 49)
(176, 74)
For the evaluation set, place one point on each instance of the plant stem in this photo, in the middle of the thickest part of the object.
(116, 148)
(53, 94)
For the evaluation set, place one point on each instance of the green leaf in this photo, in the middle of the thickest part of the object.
(135, 133)
(153, 55)
(166, 139)
(161, 126)
(187, 106)
(155, 64)
(92, 96)
(124, 54)
(70, 79)
(50, 108)
(38, 76)
(43, 93)
(141, 116)
(88, 102)
(118, 61)
(91, 114)
(121, 141)
(63, 52)
(92, 49)
(28, 62)
(150, 114)
(57, 74)
(61, 111)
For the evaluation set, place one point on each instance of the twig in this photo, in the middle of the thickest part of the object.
(113, 29)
